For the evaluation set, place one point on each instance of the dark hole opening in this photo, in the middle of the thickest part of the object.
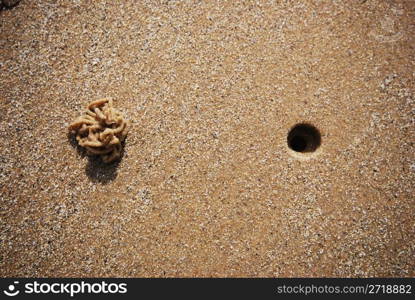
(298, 144)
(304, 138)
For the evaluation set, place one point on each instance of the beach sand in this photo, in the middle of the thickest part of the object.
(207, 185)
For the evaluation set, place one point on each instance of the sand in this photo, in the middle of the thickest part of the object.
(207, 185)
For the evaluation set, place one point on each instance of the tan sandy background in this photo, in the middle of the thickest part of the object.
(207, 185)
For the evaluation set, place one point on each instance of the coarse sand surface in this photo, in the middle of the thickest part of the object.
(207, 185)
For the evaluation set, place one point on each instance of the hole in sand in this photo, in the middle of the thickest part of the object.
(304, 138)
